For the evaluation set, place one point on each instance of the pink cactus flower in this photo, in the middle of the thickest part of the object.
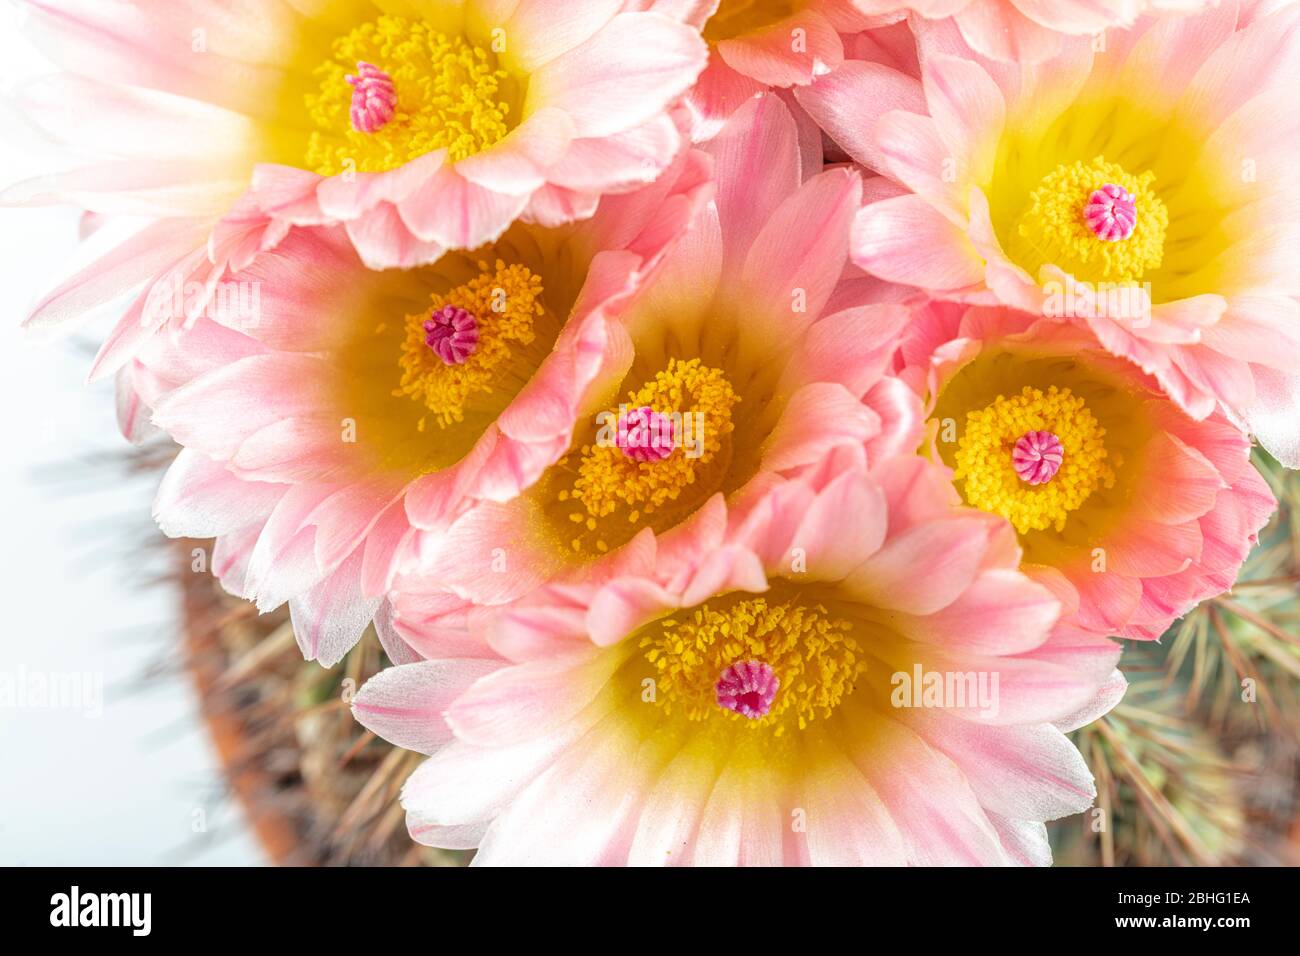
(420, 128)
(991, 174)
(354, 401)
(756, 705)
(750, 356)
(1131, 510)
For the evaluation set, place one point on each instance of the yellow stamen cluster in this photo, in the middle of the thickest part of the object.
(812, 654)
(1052, 229)
(449, 96)
(506, 301)
(698, 398)
(984, 458)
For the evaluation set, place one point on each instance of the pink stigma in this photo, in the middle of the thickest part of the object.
(1111, 213)
(645, 435)
(452, 333)
(1037, 457)
(748, 688)
(374, 98)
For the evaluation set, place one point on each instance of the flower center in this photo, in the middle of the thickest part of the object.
(770, 665)
(645, 435)
(1093, 220)
(622, 482)
(374, 98)
(395, 89)
(1037, 457)
(474, 340)
(748, 688)
(452, 333)
(1111, 213)
(1033, 458)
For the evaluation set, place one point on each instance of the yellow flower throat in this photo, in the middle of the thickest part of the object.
(985, 461)
(425, 90)
(809, 659)
(613, 495)
(1057, 228)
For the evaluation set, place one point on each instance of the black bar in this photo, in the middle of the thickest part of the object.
(366, 906)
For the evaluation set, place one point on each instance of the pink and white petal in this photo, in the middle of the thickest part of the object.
(383, 241)
(1030, 689)
(929, 799)
(674, 808)
(619, 162)
(756, 168)
(1143, 549)
(743, 824)
(575, 813)
(902, 422)
(1107, 599)
(283, 562)
(154, 250)
(1184, 483)
(330, 618)
(230, 557)
(925, 568)
(1169, 53)
(540, 31)
(716, 95)
(968, 112)
(461, 837)
(1262, 330)
(150, 46)
(799, 255)
(633, 68)
(847, 822)
(531, 699)
(463, 783)
(345, 198)
(520, 163)
(1102, 703)
(848, 103)
(772, 57)
(404, 704)
(1030, 773)
(200, 498)
(553, 206)
(489, 555)
(132, 412)
(1231, 75)
(219, 411)
(1078, 16)
(384, 544)
(293, 450)
(832, 546)
(621, 606)
(817, 419)
(906, 240)
(1002, 612)
(1274, 415)
(391, 640)
(1024, 841)
(914, 154)
(458, 214)
(1001, 32)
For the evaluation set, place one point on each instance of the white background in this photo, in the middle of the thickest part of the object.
(123, 788)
